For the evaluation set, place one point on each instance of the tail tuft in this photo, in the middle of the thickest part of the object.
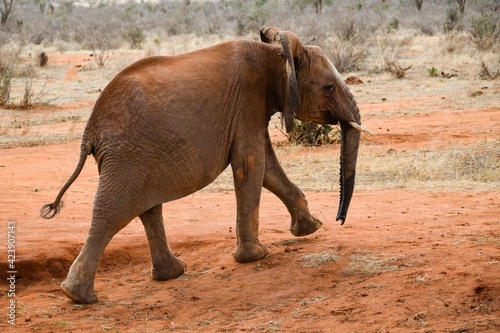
(49, 211)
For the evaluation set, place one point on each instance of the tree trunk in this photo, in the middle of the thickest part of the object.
(461, 5)
(318, 4)
(419, 3)
(5, 10)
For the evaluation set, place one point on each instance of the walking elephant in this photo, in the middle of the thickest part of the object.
(167, 126)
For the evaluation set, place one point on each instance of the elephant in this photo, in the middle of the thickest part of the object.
(167, 126)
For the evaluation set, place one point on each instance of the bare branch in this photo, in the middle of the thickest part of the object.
(5, 10)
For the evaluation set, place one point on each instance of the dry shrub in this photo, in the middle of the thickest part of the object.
(390, 47)
(426, 28)
(101, 35)
(135, 37)
(485, 31)
(487, 74)
(454, 19)
(397, 71)
(9, 56)
(11, 68)
(346, 28)
(346, 55)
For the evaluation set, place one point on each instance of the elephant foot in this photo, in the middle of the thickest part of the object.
(305, 225)
(170, 271)
(78, 293)
(250, 253)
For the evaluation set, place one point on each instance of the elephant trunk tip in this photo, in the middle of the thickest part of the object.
(48, 211)
(342, 219)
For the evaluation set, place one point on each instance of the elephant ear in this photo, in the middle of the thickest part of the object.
(293, 50)
(270, 35)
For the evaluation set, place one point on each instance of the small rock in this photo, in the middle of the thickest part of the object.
(353, 80)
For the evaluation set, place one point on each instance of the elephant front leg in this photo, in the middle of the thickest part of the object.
(276, 181)
(248, 173)
(165, 264)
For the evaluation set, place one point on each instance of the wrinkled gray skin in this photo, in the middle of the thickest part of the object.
(166, 127)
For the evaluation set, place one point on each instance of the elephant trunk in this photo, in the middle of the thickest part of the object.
(348, 157)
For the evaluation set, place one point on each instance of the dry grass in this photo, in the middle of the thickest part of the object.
(457, 168)
(490, 239)
(319, 259)
(474, 166)
(368, 264)
(32, 128)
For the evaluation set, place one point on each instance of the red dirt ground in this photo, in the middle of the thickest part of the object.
(406, 261)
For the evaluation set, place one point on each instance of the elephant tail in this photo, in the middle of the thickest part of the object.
(48, 211)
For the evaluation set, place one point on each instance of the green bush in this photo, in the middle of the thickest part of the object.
(485, 31)
(453, 19)
(393, 24)
(313, 134)
(135, 36)
(433, 72)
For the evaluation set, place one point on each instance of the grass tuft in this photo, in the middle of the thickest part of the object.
(366, 265)
(319, 259)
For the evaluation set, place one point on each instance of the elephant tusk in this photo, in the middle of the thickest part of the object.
(360, 128)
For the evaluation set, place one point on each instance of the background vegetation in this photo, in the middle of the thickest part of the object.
(357, 35)
(370, 38)
(344, 27)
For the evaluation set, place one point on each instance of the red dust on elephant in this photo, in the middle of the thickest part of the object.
(167, 126)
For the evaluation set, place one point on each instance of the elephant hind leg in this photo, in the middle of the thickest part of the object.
(79, 284)
(110, 214)
(165, 264)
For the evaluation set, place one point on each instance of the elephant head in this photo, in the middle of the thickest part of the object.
(316, 92)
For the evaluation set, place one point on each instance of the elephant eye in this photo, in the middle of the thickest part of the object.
(329, 88)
